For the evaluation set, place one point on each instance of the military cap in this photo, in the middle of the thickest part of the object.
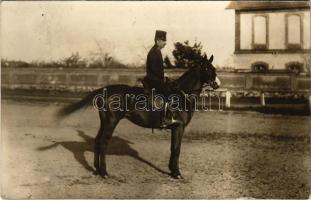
(160, 35)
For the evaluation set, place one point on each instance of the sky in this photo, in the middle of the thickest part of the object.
(45, 31)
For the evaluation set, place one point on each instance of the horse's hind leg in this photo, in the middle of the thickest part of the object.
(97, 142)
(108, 124)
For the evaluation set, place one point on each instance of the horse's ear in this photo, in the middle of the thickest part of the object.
(204, 56)
(211, 59)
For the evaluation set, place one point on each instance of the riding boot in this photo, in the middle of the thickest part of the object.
(165, 121)
(167, 117)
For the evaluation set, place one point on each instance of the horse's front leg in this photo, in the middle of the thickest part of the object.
(177, 134)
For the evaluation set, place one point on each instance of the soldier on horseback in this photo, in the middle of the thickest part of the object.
(191, 82)
(155, 74)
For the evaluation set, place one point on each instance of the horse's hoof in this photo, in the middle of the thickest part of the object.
(177, 176)
(105, 176)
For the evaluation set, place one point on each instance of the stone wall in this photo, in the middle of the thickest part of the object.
(76, 80)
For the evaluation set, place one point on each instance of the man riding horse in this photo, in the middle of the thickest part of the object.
(191, 82)
(155, 74)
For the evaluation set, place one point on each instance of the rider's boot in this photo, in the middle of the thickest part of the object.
(166, 119)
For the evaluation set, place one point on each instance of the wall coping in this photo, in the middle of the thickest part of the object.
(138, 70)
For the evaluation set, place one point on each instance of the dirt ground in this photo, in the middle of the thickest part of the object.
(224, 155)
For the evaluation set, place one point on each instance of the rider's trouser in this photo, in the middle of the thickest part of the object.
(160, 88)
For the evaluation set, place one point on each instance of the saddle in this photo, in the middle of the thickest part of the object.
(148, 90)
(167, 113)
(171, 86)
(146, 85)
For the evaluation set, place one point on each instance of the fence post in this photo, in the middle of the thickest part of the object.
(262, 99)
(228, 99)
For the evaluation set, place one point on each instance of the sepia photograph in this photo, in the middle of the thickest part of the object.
(155, 99)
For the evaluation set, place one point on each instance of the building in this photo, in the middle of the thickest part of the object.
(272, 35)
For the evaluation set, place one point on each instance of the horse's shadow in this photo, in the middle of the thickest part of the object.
(117, 146)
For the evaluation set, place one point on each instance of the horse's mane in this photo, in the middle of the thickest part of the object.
(186, 74)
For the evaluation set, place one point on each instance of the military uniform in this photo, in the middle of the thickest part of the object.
(154, 65)
(155, 69)
(155, 76)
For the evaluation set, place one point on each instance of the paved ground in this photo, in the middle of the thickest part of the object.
(224, 155)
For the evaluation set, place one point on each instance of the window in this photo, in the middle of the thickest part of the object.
(260, 32)
(293, 31)
(260, 66)
(295, 67)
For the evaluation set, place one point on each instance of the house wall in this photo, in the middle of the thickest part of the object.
(276, 29)
(246, 30)
(306, 28)
(276, 40)
(275, 61)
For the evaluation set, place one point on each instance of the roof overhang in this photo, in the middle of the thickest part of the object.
(267, 5)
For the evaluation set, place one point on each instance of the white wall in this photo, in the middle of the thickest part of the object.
(306, 30)
(276, 41)
(276, 29)
(246, 31)
(244, 61)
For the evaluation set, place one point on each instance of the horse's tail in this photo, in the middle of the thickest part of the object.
(67, 110)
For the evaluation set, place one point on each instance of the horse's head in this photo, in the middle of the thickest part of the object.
(208, 73)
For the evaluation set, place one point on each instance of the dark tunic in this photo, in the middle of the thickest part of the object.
(155, 69)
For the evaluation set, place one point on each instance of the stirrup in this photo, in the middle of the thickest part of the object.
(165, 123)
(171, 122)
(176, 121)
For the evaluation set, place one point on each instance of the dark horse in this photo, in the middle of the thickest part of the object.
(191, 82)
